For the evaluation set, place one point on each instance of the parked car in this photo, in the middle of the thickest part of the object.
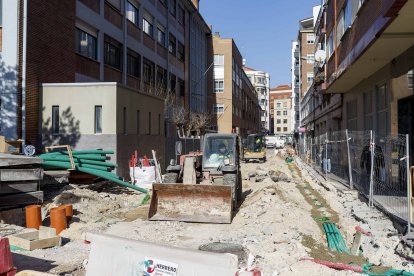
(274, 142)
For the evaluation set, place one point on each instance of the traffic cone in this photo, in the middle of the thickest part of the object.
(6, 261)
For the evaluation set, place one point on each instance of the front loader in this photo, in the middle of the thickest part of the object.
(205, 187)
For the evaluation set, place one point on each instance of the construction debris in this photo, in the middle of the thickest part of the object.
(20, 178)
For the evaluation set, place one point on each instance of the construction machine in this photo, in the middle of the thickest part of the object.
(204, 187)
(255, 148)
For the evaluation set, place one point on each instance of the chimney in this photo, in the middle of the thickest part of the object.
(196, 3)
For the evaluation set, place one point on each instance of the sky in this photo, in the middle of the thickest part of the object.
(262, 29)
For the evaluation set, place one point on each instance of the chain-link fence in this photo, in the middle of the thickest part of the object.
(376, 165)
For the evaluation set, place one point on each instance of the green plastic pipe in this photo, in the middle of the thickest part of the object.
(112, 178)
(66, 165)
(74, 152)
(60, 163)
(85, 161)
(64, 158)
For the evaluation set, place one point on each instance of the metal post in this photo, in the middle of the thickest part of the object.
(311, 149)
(407, 160)
(326, 155)
(371, 177)
(351, 184)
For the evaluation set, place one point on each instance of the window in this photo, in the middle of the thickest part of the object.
(219, 86)
(138, 121)
(218, 60)
(181, 87)
(180, 51)
(348, 14)
(278, 113)
(382, 109)
(285, 104)
(172, 45)
(310, 38)
(278, 129)
(148, 70)
(113, 53)
(161, 35)
(181, 15)
(310, 58)
(368, 123)
(147, 24)
(218, 108)
(278, 121)
(285, 121)
(115, 3)
(55, 119)
(159, 124)
(133, 64)
(173, 7)
(173, 83)
(260, 80)
(161, 78)
(330, 45)
(285, 112)
(132, 13)
(351, 110)
(285, 129)
(149, 123)
(340, 28)
(85, 44)
(278, 104)
(124, 118)
(98, 119)
(309, 76)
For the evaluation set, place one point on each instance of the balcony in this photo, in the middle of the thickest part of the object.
(296, 70)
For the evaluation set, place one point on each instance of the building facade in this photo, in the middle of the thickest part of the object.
(158, 47)
(282, 108)
(261, 82)
(233, 99)
(370, 60)
(295, 85)
(109, 116)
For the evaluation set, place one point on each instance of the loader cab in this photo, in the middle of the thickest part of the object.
(219, 151)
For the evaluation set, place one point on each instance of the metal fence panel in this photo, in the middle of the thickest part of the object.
(390, 174)
(376, 165)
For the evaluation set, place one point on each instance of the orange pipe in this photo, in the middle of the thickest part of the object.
(58, 219)
(33, 216)
(68, 210)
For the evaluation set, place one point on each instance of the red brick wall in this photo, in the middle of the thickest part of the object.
(50, 54)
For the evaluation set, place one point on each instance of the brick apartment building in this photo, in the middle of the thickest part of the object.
(156, 47)
(282, 110)
(369, 64)
(233, 98)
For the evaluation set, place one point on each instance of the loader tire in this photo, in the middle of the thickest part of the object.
(170, 178)
(239, 188)
(231, 180)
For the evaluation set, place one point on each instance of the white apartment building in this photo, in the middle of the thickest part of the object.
(261, 82)
(295, 85)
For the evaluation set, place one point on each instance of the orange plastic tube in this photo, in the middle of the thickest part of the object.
(68, 210)
(33, 216)
(58, 219)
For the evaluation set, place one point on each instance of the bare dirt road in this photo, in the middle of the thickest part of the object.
(280, 222)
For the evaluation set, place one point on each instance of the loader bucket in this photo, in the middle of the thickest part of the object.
(191, 203)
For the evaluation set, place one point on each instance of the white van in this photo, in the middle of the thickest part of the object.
(274, 142)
